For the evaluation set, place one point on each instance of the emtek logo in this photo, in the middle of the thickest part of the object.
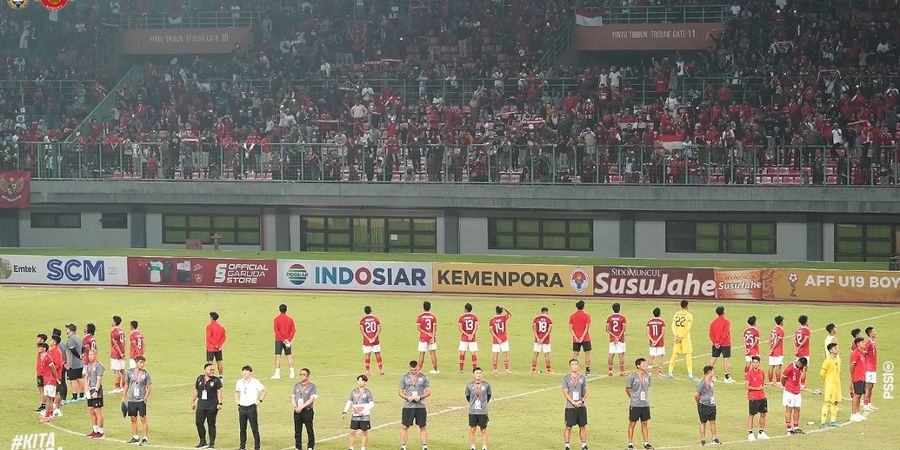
(75, 270)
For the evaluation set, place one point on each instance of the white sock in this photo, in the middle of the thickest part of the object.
(100, 430)
(277, 371)
(135, 436)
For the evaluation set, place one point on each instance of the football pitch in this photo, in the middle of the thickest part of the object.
(526, 411)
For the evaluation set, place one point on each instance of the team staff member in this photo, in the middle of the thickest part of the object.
(637, 387)
(478, 394)
(758, 404)
(720, 336)
(206, 401)
(858, 378)
(215, 339)
(248, 393)
(93, 376)
(580, 327)
(705, 397)
(681, 328)
(361, 400)
(302, 399)
(284, 334)
(574, 387)
(414, 389)
(831, 376)
(137, 392)
(117, 354)
(75, 362)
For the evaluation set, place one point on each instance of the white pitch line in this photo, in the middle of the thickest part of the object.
(744, 441)
(75, 433)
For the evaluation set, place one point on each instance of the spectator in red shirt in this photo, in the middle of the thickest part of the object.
(720, 336)
(284, 334)
(215, 339)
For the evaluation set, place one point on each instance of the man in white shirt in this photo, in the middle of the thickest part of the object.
(248, 393)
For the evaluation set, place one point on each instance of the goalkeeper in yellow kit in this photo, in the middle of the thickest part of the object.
(831, 375)
(681, 326)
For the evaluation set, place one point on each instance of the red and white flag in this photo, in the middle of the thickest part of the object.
(588, 17)
(15, 188)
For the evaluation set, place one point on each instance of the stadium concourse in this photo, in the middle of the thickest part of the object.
(795, 93)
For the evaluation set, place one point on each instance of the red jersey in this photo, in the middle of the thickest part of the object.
(801, 334)
(755, 378)
(426, 322)
(215, 337)
(871, 354)
(720, 331)
(790, 378)
(751, 341)
(498, 326)
(579, 321)
(284, 327)
(777, 342)
(858, 365)
(137, 344)
(116, 343)
(88, 344)
(656, 328)
(56, 354)
(467, 323)
(370, 324)
(44, 369)
(541, 326)
(615, 324)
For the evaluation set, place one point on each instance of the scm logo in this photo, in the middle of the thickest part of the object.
(76, 270)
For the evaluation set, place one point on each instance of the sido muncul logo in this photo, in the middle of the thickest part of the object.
(297, 274)
(17, 4)
(578, 279)
(6, 269)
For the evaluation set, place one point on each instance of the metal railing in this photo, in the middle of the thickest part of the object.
(188, 159)
(663, 14)
(103, 110)
(191, 19)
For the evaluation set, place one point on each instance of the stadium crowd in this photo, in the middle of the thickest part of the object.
(791, 93)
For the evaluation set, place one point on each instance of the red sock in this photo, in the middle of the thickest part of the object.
(788, 424)
(533, 365)
(462, 361)
(548, 366)
(494, 364)
(368, 360)
(506, 364)
(474, 361)
(610, 368)
(378, 360)
(621, 367)
(796, 424)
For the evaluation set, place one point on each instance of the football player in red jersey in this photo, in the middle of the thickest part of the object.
(137, 344)
(580, 327)
(776, 350)
(117, 354)
(540, 328)
(615, 327)
(426, 325)
(751, 343)
(871, 352)
(468, 327)
(500, 338)
(656, 331)
(801, 345)
(370, 327)
(791, 382)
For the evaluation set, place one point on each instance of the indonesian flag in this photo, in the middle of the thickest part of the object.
(588, 17)
(671, 141)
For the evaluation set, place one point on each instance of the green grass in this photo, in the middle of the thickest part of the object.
(526, 412)
(724, 263)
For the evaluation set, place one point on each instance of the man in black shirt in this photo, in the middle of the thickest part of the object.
(207, 401)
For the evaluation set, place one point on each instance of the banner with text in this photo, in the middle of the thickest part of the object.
(647, 36)
(527, 279)
(654, 282)
(183, 41)
(15, 189)
(354, 276)
(202, 272)
(742, 284)
(67, 270)
(833, 285)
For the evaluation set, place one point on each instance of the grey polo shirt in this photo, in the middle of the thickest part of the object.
(360, 398)
(304, 393)
(478, 394)
(640, 389)
(577, 388)
(137, 385)
(414, 385)
(74, 343)
(707, 392)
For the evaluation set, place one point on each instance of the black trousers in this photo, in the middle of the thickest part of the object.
(248, 414)
(208, 416)
(301, 419)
